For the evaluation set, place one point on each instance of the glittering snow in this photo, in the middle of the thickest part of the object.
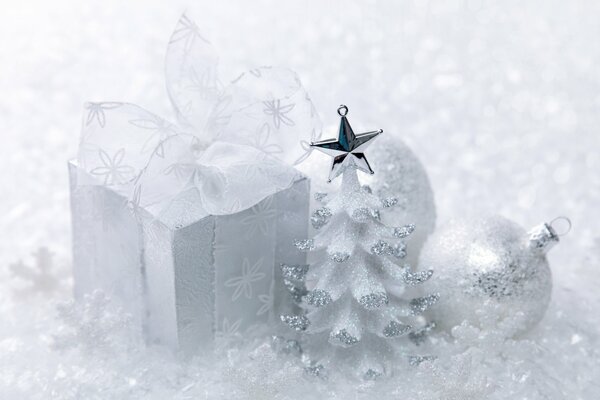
(498, 99)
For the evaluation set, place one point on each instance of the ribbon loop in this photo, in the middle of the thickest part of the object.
(234, 144)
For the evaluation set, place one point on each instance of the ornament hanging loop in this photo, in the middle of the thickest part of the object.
(561, 222)
(342, 110)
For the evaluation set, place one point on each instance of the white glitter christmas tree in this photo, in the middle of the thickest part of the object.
(358, 297)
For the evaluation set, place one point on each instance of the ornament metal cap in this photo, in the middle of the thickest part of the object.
(543, 237)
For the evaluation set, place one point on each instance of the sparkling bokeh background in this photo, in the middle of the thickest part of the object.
(500, 100)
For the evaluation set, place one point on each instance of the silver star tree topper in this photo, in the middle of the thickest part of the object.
(347, 150)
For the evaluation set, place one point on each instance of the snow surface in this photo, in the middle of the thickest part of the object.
(500, 101)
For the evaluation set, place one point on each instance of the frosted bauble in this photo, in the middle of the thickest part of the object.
(489, 267)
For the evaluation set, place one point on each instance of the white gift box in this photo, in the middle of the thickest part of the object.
(185, 276)
(185, 223)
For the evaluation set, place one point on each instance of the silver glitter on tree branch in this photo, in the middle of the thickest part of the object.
(419, 305)
(374, 300)
(416, 278)
(415, 361)
(389, 202)
(318, 298)
(305, 244)
(381, 248)
(395, 329)
(320, 196)
(316, 370)
(365, 214)
(343, 337)
(339, 257)
(296, 322)
(294, 272)
(320, 217)
(372, 375)
(403, 231)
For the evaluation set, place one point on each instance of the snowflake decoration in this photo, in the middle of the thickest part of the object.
(42, 277)
(279, 112)
(182, 171)
(161, 128)
(113, 170)
(188, 31)
(220, 115)
(94, 325)
(243, 284)
(204, 84)
(259, 218)
(229, 332)
(261, 141)
(308, 149)
(96, 112)
(266, 301)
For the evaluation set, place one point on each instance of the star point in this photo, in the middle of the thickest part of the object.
(348, 149)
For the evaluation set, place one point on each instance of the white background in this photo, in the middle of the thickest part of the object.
(500, 100)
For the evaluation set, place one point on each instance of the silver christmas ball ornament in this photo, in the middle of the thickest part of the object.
(491, 267)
